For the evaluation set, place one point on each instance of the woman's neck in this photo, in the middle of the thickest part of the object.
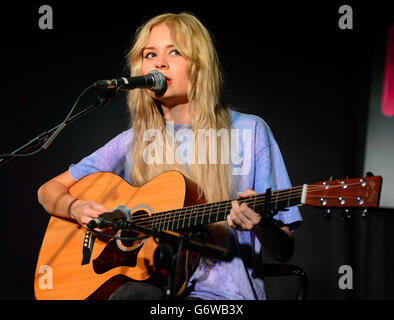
(179, 114)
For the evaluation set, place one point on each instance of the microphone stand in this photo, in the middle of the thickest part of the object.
(47, 137)
(168, 252)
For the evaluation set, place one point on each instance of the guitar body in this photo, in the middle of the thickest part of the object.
(75, 264)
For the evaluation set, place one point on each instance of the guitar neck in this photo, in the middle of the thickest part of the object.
(198, 215)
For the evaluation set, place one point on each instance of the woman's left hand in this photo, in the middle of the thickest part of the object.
(241, 217)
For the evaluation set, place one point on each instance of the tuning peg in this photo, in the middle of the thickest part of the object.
(327, 214)
(370, 174)
(346, 214)
(364, 213)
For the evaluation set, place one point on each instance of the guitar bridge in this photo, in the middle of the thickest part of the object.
(87, 247)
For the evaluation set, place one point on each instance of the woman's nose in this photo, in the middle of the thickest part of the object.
(161, 63)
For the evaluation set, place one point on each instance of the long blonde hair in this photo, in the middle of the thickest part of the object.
(194, 42)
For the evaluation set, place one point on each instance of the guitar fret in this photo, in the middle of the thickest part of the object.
(165, 219)
(186, 216)
(207, 216)
(152, 221)
(217, 214)
(161, 223)
(183, 220)
(171, 220)
(195, 213)
(164, 222)
(158, 221)
(225, 210)
(174, 219)
(191, 216)
(196, 217)
(210, 212)
(177, 215)
(168, 220)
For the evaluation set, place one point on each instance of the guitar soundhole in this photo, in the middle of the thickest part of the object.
(120, 252)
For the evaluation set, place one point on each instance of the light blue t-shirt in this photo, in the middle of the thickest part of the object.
(257, 164)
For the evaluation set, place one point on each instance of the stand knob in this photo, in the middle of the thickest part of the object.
(364, 213)
(327, 214)
(162, 258)
(346, 214)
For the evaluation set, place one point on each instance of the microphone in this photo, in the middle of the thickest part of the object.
(107, 219)
(154, 80)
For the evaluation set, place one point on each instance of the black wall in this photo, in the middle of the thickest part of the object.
(289, 64)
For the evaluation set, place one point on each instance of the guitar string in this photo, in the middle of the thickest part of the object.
(176, 216)
(184, 215)
(180, 219)
(172, 215)
(185, 219)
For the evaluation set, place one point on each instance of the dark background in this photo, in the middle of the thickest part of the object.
(289, 64)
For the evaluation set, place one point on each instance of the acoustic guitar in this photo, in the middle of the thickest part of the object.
(76, 264)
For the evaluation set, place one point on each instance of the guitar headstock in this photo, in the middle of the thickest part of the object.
(345, 193)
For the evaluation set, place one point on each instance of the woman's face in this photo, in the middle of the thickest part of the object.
(160, 54)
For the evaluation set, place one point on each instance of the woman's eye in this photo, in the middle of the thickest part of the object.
(175, 52)
(149, 55)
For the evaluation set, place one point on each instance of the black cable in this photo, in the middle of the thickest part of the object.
(57, 131)
(154, 239)
(116, 237)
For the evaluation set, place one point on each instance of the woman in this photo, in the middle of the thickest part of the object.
(180, 47)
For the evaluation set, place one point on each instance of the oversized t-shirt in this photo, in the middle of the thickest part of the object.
(256, 163)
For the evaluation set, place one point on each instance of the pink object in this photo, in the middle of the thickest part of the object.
(388, 80)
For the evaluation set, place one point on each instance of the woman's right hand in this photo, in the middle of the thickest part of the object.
(84, 211)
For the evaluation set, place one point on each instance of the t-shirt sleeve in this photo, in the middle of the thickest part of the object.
(112, 157)
(270, 172)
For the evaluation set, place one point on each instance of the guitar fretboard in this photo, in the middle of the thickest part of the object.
(198, 215)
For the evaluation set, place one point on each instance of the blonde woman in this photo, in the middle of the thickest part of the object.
(181, 48)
